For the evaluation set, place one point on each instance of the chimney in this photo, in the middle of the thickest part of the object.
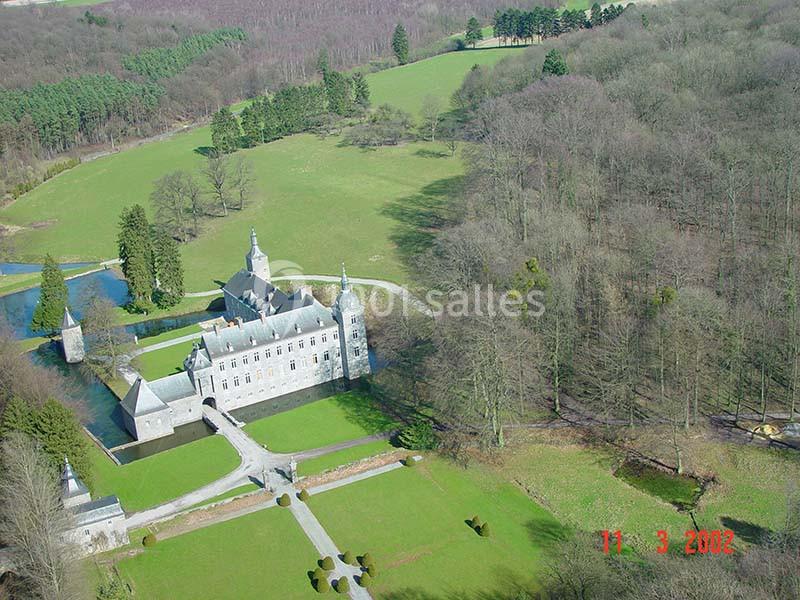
(262, 317)
(216, 328)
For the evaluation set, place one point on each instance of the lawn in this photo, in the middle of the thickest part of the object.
(313, 466)
(679, 490)
(337, 419)
(440, 76)
(169, 335)
(164, 476)
(412, 521)
(307, 188)
(578, 485)
(163, 362)
(261, 555)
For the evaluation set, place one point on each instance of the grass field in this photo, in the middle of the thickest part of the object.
(169, 335)
(151, 481)
(317, 465)
(262, 555)
(163, 362)
(336, 419)
(306, 189)
(412, 521)
(579, 487)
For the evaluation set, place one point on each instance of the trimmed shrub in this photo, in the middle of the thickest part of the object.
(327, 563)
(365, 580)
(348, 558)
(319, 573)
(149, 540)
(322, 585)
(343, 585)
(484, 530)
(366, 560)
(475, 522)
(285, 500)
(372, 570)
(303, 495)
(410, 461)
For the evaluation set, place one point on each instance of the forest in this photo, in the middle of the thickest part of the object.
(517, 26)
(650, 197)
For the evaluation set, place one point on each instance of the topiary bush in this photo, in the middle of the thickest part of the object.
(348, 558)
(365, 580)
(303, 495)
(484, 530)
(285, 500)
(410, 461)
(372, 570)
(327, 563)
(149, 540)
(475, 522)
(322, 585)
(319, 573)
(343, 585)
(366, 560)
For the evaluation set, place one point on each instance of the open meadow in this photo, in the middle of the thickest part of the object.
(350, 202)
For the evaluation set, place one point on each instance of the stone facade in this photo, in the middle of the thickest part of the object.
(98, 525)
(275, 343)
(72, 339)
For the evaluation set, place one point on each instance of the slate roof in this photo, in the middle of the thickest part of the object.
(173, 387)
(257, 333)
(140, 399)
(197, 360)
(101, 509)
(68, 322)
(260, 294)
(71, 485)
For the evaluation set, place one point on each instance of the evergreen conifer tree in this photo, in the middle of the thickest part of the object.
(136, 254)
(554, 64)
(17, 417)
(225, 131)
(361, 90)
(60, 434)
(169, 271)
(400, 44)
(473, 34)
(49, 311)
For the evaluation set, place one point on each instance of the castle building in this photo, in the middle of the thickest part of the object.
(98, 525)
(275, 343)
(72, 339)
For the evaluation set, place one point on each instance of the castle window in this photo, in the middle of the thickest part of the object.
(292, 366)
(338, 353)
(224, 384)
(247, 376)
(233, 363)
(324, 338)
(279, 350)
(326, 355)
(222, 366)
(86, 531)
(267, 353)
(313, 341)
(235, 381)
(256, 357)
(301, 344)
(353, 319)
(357, 351)
(315, 359)
(289, 347)
(355, 333)
(245, 359)
(336, 335)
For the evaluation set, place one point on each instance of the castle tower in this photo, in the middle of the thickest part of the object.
(73, 491)
(257, 262)
(349, 314)
(72, 339)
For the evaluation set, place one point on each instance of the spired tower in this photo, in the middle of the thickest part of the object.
(257, 262)
(72, 339)
(349, 313)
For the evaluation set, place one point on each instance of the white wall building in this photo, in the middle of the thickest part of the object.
(275, 344)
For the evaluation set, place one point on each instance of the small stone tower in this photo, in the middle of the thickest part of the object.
(72, 339)
(73, 492)
(349, 313)
(257, 262)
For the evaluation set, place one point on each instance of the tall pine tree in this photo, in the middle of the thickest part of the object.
(52, 299)
(361, 90)
(169, 271)
(554, 64)
(136, 254)
(400, 44)
(225, 131)
(473, 34)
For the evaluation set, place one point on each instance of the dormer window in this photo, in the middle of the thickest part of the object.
(320, 322)
(297, 328)
(275, 335)
(229, 346)
(252, 341)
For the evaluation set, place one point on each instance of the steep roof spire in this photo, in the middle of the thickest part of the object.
(67, 322)
(254, 249)
(72, 488)
(345, 282)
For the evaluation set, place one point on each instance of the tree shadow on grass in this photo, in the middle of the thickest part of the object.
(749, 532)
(545, 532)
(420, 216)
(361, 409)
(510, 587)
(426, 153)
(205, 151)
